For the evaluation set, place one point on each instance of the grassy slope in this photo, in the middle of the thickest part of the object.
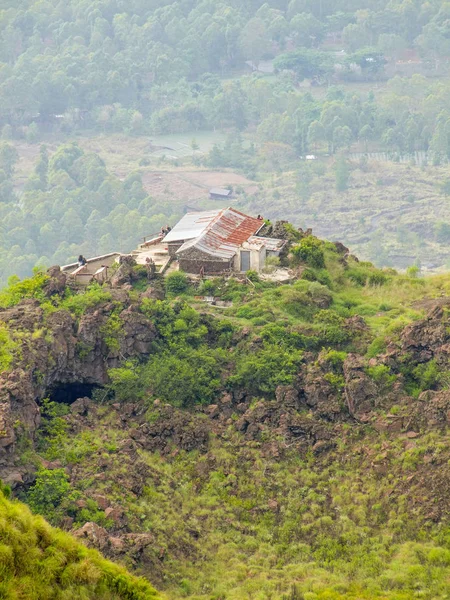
(241, 522)
(38, 562)
(237, 523)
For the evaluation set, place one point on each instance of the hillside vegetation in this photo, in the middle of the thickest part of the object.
(290, 446)
(151, 81)
(37, 562)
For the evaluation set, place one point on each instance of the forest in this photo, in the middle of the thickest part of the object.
(343, 77)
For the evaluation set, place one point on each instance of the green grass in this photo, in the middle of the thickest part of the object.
(238, 524)
(38, 562)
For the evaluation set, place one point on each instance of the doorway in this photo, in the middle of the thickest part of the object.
(245, 260)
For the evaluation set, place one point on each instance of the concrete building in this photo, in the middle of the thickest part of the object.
(220, 241)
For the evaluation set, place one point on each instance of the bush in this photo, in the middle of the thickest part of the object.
(381, 374)
(427, 375)
(252, 276)
(49, 491)
(7, 348)
(365, 273)
(335, 359)
(126, 382)
(18, 290)
(208, 288)
(378, 346)
(5, 490)
(310, 251)
(191, 376)
(94, 295)
(263, 371)
(176, 283)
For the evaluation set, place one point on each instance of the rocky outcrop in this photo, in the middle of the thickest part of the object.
(428, 338)
(124, 274)
(56, 283)
(360, 390)
(57, 350)
(173, 427)
(129, 544)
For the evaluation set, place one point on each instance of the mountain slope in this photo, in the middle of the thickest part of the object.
(37, 562)
(288, 443)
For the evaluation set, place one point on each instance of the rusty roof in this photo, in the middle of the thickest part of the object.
(224, 234)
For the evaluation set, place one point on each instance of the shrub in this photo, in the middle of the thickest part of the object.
(112, 331)
(94, 295)
(208, 287)
(310, 251)
(18, 290)
(377, 278)
(381, 374)
(126, 382)
(177, 283)
(5, 490)
(330, 327)
(335, 359)
(7, 348)
(263, 371)
(358, 275)
(336, 381)
(252, 276)
(53, 428)
(191, 376)
(50, 489)
(320, 294)
(427, 375)
(378, 346)
(297, 303)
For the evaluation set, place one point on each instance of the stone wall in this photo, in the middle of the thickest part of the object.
(173, 247)
(192, 260)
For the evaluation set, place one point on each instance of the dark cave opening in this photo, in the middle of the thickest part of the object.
(67, 393)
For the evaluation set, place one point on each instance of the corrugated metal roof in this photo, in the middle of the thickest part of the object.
(191, 225)
(220, 192)
(271, 244)
(229, 230)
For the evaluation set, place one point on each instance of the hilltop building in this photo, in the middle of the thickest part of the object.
(207, 242)
(220, 240)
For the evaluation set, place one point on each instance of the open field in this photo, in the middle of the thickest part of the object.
(192, 186)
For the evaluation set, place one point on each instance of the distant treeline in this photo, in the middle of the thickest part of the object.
(154, 65)
(71, 205)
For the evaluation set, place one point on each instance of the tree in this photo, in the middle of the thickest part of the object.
(306, 64)
(366, 134)
(316, 134)
(8, 158)
(254, 40)
(32, 134)
(342, 171)
(342, 137)
(306, 30)
(370, 60)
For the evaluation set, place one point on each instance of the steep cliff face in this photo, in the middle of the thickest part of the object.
(64, 356)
